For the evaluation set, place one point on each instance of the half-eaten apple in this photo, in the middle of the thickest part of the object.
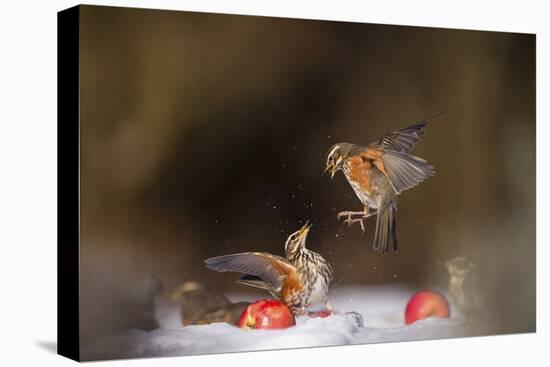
(426, 303)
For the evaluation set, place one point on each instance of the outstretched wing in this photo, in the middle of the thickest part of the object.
(406, 171)
(403, 170)
(401, 140)
(270, 268)
(405, 139)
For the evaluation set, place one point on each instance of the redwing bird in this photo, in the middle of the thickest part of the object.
(458, 269)
(378, 173)
(466, 287)
(300, 280)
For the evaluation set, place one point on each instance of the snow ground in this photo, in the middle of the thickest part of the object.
(382, 308)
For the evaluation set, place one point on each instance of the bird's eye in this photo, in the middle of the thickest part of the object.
(292, 237)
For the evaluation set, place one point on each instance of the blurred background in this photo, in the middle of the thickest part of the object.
(206, 134)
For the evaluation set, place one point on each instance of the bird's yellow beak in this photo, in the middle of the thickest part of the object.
(330, 168)
(304, 230)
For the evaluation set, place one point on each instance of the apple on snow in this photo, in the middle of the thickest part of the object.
(426, 303)
(267, 314)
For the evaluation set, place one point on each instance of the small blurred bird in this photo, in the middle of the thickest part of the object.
(458, 269)
(464, 287)
(300, 280)
(195, 300)
(230, 314)
(186, 303)
(378, 173)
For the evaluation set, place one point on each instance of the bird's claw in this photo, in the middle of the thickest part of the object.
(349, 214)
(349, 220)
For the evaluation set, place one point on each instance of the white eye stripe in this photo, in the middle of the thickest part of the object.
(333, 150)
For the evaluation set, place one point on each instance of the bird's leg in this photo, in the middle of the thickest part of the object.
(368, 213)
(349, 220)
(349, 214)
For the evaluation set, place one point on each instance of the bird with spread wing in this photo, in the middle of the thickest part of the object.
(300, 280)
(378, 173)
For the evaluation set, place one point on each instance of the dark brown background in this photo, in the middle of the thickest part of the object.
(206, 134)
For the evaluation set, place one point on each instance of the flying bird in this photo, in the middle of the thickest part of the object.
(300, 280)
(378, 173)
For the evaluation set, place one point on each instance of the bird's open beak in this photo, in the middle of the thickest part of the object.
(304, 230)
(330, 168)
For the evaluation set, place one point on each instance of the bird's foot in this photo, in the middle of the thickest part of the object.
(349, 220)
(350, 214)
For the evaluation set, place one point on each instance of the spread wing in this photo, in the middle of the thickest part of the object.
(402, 140)
(270, 268)
(403, 170)
(406, 171)
(405, 139)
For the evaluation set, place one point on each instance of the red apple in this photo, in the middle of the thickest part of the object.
(424, 304)
(266, 314)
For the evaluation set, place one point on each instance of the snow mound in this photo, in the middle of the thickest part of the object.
(222, 337)
(381, 307)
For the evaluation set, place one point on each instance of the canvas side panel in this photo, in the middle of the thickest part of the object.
(68, 22)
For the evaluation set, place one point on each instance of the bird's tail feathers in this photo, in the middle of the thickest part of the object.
(385, 232)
